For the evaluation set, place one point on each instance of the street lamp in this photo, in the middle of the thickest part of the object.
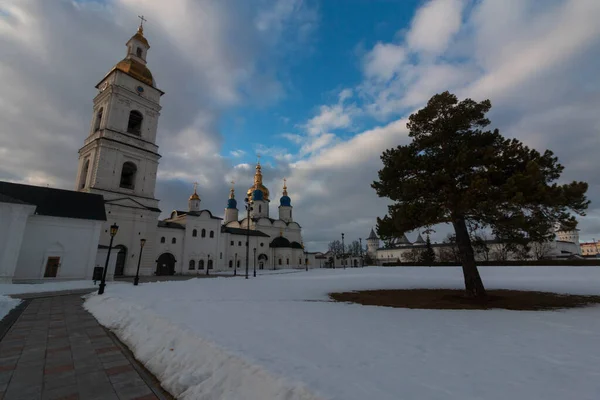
(208, 265)
(248, 208)
(254, 261)
(235, 265)
(136, 280)
(343, 251)
(114, 228)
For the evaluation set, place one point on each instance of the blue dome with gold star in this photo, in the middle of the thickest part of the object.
(285, 201)
(257, 195)
(232, 203)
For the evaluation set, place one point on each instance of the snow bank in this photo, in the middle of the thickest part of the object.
(188, 366)
(233, 338)
(7, 304)
(21, 288)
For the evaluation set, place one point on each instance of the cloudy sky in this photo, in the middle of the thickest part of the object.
(318, 87)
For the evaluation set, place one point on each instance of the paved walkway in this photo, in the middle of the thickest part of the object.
(57, 350)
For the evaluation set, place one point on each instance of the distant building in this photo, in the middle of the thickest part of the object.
(590, 249)
(401, 249)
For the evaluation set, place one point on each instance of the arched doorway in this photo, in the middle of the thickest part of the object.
(165, 265)
(262, 260)
(121, 258)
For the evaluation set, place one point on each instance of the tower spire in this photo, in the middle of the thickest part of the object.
(141, 27)
(232, 190)
(285, 187)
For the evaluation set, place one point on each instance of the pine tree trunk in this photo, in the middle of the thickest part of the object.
(473, 284)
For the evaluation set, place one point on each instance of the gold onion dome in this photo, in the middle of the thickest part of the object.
(258, 185)
(194, 195)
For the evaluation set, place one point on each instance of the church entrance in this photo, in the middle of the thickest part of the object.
(121, 257)
(165, 265)
(262, 259)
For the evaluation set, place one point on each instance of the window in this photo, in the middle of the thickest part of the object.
(138, 52)
(210, 264)
(299, 261)
(203, 232)
(239, 243)
(238, 263)
(98, 119)
(259, 208)
(84, 174)
(201, 264)
(262, 244)
(128, 173)
(280, 261)
(135, 122)
(162, 239)
(192, 265)
(212, 234)
(220, 256)
(194, 233)
(173, 241)
(287, 261)
(232, 242)
(230, 264)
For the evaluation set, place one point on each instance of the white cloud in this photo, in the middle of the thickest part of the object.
(434, 25)
(237, 153)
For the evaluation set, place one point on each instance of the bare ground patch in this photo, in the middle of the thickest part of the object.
(449, 299)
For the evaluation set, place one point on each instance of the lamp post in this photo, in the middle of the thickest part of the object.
(254, 262)
(343, 252)
(114, 228)
(248, 208)
(235, 265)
(136, 280)
(208, 264)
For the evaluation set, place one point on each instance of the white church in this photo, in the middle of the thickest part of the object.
(115, 184)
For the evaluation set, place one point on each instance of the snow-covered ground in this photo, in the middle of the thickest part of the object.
(7, 304)
(279, 337)
(21, 288)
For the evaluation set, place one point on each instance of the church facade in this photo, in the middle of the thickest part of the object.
(119, 160)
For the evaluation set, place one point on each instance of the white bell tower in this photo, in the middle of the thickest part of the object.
(119, 157)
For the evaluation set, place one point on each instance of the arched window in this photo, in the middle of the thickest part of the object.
(162, 239)
(138, 52)
(299, 261)
(194, 233)
(230, 264)
(84, 174)
(280, 261)
(239, 243)
(287, 261)
(262, 244)
(259, 208)
(192, 265)
(220, 256)
(210, 264)
(238, 263)
(98, 119)
(128, 173)
(201, 264)
(203, 233)
(212, 234)
(173, 241)
(135, 122)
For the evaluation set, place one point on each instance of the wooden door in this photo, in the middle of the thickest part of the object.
(52, 267)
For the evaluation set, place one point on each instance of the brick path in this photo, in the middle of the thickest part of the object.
(57, 350)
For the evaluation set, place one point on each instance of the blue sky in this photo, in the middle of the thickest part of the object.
(319, 87)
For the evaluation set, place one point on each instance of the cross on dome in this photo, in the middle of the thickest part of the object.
(142, 20)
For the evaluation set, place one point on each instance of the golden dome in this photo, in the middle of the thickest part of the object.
(194, 195)
(258, 185)
(134, 69)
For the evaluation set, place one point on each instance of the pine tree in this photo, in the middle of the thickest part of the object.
(428, 256)
(456, 172)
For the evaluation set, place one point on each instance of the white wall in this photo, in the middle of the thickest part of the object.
(75, 241)
(13, 221)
